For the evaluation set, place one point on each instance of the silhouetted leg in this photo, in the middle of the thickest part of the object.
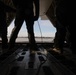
(18, 23)
(30, 29)
(72, 36)
(4, 33)
(13, 37)
(60, 36)
(4, 38)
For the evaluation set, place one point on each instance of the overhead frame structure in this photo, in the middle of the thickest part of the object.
(46, 10)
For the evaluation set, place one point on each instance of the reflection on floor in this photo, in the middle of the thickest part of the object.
(19, 61)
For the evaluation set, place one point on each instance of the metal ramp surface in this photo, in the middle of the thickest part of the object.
(20, 62)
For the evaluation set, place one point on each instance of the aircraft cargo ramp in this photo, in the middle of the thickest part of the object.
(18, 61)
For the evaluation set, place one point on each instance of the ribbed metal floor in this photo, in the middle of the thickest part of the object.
(19, 62)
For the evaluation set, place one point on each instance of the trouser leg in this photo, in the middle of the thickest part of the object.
(18, 23)
(59, 36)
(31, 36)
(72, 37)
(14, 34)
(4, 34)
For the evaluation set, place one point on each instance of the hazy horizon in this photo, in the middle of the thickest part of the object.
(42, 28)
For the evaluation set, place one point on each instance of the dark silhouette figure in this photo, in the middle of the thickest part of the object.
(25, 12)
(65, 14)
(61, 25)
(3, 24)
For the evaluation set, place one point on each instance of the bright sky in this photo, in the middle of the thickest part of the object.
(41, 28)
